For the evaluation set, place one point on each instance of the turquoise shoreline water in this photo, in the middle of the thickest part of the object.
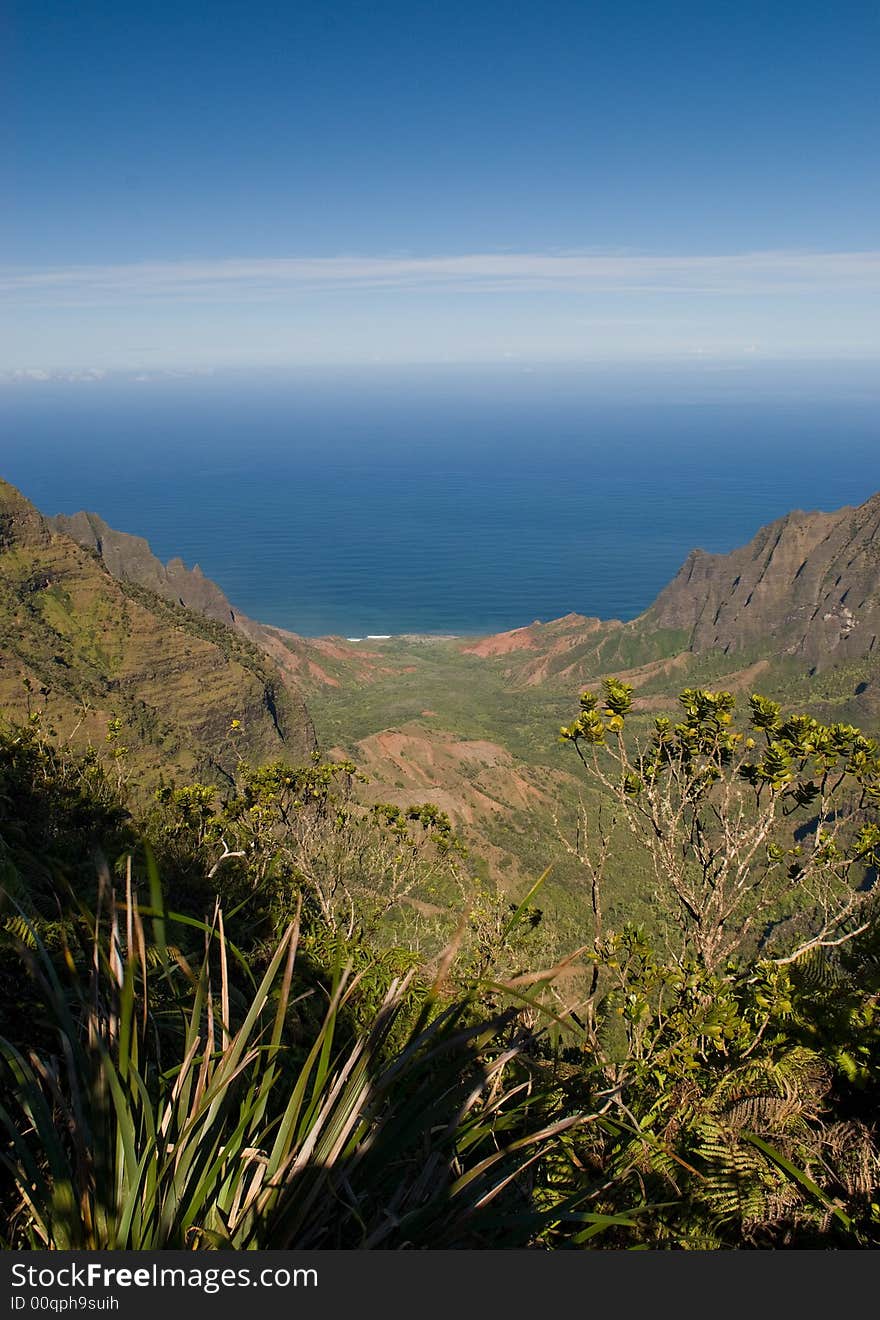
(444, 502)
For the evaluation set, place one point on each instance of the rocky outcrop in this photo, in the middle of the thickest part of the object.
(130, 558)
(87, 646)
(807, 585)
(301, 662)
(21, 525)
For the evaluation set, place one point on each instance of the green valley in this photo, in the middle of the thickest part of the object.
(567, 932)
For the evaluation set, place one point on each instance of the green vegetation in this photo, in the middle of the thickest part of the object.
(464, 692)
(235, 1130)
(484, 974)
(270, 1011)
(86, 648)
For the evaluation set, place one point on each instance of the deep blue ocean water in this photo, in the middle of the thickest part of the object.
(446, 500)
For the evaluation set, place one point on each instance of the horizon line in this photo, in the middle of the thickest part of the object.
(150, 372)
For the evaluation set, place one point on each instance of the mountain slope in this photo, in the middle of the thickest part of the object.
(805, 589)
(807, 585)
(305, 662)
(86, 647)
(130, 558)
(794, 614)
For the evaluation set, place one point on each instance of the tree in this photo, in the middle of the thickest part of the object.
(759, 838)
(732, 1053)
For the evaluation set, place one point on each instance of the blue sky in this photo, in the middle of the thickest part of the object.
(280, 183)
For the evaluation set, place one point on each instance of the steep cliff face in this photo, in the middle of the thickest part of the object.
(130, 558)
(807, 585)
(86, 646)
(21, 526)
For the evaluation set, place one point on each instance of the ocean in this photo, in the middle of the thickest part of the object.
(446, 500)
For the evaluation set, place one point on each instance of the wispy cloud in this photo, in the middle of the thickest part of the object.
(270, 279)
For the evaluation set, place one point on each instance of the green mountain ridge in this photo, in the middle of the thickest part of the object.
(130, 558)
(807, 585)
(87, 647)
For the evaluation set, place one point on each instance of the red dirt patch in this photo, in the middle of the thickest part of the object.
(518, 639)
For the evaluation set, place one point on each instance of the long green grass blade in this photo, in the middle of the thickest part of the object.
(800, 1176)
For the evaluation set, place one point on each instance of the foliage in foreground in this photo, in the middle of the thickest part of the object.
(739, 1039)
(177, 1111)
(287, 1074)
